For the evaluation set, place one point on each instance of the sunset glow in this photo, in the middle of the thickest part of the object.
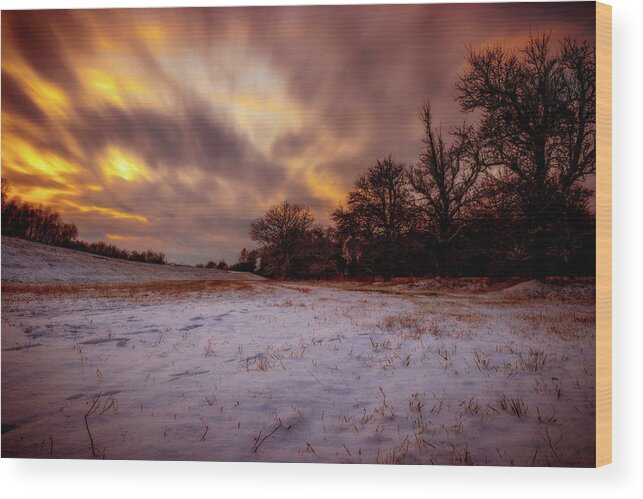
(117, 164)
(174, 128)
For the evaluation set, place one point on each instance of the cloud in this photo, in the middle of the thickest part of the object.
(177, 127)
(16, 101)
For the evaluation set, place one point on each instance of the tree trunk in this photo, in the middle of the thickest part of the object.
(387, 264)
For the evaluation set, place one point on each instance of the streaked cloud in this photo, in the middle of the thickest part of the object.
(116, 163)
(174, 128)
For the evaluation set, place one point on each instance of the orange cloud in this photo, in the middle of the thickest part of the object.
(153, 33)
(116, 163)
(122, 237)
(114, 86)
(108, 212)
(50, 98)
(115, 237)
(43, 195)
(22, 157)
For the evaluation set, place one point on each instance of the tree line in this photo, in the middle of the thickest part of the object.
(502, 198)
(44, 225)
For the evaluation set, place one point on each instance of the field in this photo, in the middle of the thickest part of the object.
(231, 369)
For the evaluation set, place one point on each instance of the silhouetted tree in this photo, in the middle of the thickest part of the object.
(380, 212)
(5, 191)
(244, 256)
(24, 220)
(248, 261)
(444, 180)
(322, 254)
(283, 233)
(42, 224)
(537, 132)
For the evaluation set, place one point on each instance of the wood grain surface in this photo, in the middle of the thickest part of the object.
(603, 234)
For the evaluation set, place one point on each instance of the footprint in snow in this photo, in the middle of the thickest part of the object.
(183, 374)
(120, 342)
(190, 327)
(143, 331)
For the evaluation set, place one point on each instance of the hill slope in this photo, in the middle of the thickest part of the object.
(27, 261)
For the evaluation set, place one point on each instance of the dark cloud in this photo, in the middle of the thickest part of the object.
(241, 107)
(15, 100)
(192, 139)
(40, 36)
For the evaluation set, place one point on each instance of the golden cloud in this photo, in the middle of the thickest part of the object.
(117, 164)
(105, 211)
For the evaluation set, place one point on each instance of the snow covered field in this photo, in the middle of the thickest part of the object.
(26, 261)
(413, 372)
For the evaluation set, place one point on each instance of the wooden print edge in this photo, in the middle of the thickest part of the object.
(603, 234)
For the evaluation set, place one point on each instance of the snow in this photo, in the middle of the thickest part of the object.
(575, 291)
(297, 372)
(27, 261)
(528, 289)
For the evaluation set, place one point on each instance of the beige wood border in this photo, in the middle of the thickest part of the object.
(603, 234)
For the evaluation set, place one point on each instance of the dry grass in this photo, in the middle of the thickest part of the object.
(293, 287)
(161, 289)
(562, 325)
(461, 457)
(412, 326)
(514, 406)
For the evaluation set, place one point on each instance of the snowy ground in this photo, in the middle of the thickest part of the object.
(301, 372)
(26, 261)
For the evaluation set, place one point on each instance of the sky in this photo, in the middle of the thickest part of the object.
(172, 129)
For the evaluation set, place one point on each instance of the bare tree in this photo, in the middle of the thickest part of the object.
(5, 191)
(284, 234)
(444, 180)
(379, 210)
(537, 129)
(36, 223)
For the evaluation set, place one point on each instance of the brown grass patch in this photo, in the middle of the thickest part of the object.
(161, 289)
(410, 325)
(290, 286)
